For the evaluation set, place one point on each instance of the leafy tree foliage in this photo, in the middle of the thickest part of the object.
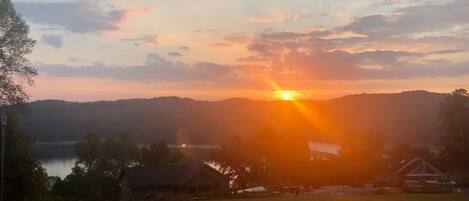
(15, 44)
(100, 165)
(119, 153)
(454, 143)
(267, 158)
(282, 156)
(273, 159)
(158, 154)
(25, 177)
(232, 160)
(361, 157)
(405, 152)
(96, 175)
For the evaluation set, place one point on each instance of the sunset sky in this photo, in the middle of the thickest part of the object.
(217, 49)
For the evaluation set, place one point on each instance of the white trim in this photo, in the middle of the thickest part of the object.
(409, 163)
(424, 165)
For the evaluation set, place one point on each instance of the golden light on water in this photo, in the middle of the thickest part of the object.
(287, 95)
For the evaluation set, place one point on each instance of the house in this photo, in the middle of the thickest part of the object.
(419, 169)
(417, 175)
(190, 179)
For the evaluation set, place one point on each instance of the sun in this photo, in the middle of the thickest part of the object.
(287, 95)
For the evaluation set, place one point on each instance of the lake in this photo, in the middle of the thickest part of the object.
(59, 167)
(59, 158)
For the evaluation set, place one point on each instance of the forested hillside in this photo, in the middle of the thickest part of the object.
(402, 117)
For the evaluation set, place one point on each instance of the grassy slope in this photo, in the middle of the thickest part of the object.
(393, 197)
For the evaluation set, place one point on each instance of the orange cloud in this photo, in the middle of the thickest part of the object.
(278, 17)
(126, 14)
(123, 17)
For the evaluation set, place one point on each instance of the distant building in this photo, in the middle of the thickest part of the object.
(419, 169)
(417, 175)
(191, 179)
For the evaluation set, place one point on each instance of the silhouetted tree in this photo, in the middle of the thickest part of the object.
(97, 171)
(119, 153)
(273, 159)
(266, 158)
(404, 152)
(25, 177)
(233, 162)
(15, 44)
(261, 149)
(454, 143)
(288, 158)
(158, 154)
(361, 157)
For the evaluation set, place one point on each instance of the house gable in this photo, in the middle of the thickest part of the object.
(418, 169)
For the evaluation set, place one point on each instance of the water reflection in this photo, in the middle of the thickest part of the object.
(59, 167)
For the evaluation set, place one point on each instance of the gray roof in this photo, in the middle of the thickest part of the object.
(169, 175)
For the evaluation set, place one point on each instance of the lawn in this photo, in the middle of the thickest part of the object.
(389, 197)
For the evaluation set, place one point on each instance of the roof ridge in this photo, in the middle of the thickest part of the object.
(409, 163)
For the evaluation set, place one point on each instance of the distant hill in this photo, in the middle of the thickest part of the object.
(401, 117)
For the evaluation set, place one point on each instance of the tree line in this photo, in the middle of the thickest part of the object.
(95, 176)
(272, 159)
(100, 165)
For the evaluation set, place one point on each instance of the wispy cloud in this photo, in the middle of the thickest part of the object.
(150, 40)
(77, 16)
(52, 40)
(156, 68)
(185, 48)
(372, 46)
(76, 60)
(231, 39)
(278, 17)
(174, 54)
(413, 19)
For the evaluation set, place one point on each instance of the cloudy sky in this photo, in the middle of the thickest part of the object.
(213, 49)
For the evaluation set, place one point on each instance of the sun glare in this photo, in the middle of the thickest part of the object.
(287, 95)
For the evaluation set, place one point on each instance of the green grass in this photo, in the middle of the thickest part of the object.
(389, 197)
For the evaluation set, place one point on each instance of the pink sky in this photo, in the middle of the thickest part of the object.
(210, 49)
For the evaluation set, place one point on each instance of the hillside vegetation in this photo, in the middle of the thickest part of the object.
(402, 117)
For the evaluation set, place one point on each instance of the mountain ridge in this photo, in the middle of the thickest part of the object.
(401, 117)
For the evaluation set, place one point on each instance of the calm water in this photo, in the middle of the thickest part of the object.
(62, 166)
(59, 167)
